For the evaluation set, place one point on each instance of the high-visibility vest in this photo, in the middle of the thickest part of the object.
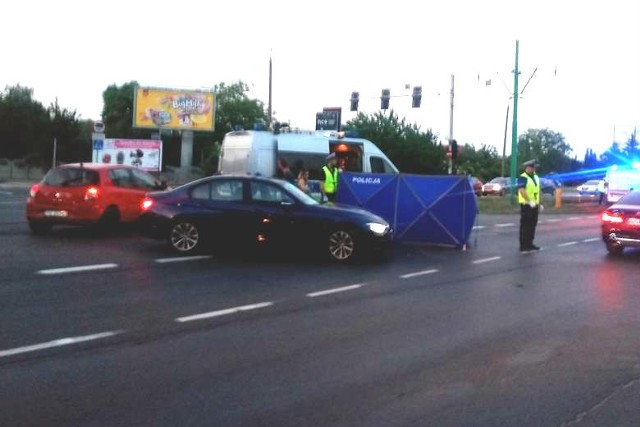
(330, 180)
(601, 187)
(532, 189)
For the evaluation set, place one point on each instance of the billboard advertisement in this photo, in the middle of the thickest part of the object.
(173, 109)
(143, 153)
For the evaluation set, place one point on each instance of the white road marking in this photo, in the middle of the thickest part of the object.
(554, 220)
(57, 343)
(482, 261)
(593, 239)
(508, 224)
(334, 290)
(78, 269)
(479, 227)
(561, 245)
(573, 218)
(419, 273)
(182, 259)
(6, 193)
(224, 312)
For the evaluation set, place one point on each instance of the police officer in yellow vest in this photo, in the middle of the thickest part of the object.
(329, 179)
(529, 199)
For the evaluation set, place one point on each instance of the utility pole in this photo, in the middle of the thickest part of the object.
(451, 126)
(270, 78)
(504, 143)
(514, 130)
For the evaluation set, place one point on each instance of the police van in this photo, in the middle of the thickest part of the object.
(257, 153)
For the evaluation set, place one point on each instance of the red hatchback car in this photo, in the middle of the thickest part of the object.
(88, 193)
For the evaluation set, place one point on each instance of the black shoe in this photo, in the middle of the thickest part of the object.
(535, 248)
(525, 249)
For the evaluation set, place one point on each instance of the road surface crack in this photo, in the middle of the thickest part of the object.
(578, 418)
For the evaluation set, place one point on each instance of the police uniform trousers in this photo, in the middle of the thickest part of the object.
(528, 222)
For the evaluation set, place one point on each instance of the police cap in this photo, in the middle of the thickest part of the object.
(528, 163)
(331, 156)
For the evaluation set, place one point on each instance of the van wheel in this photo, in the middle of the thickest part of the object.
(39, 228)
(185, 237)
(341, 246)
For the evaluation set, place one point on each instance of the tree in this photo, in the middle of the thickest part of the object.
(631, 149)
(483, 163)
(23, 124)
(235, 109)
(117, 112)
(411, 150)
(548, 148)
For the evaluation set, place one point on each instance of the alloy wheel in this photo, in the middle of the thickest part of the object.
(184, 237)
(341, 245)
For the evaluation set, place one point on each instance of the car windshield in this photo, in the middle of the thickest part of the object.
(500, 180)
(591, 183)
(299, 194)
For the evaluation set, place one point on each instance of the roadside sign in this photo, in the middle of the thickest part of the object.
(97, 138)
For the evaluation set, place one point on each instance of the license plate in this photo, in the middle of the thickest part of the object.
(633, 221)
(56, 214)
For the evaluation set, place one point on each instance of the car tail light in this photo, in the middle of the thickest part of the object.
(147, 203)
(34, 190)
(92, 193)
(612, 217)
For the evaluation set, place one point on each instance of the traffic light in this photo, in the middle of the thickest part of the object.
(454, 149)
(384, 99)
(417, 97)
(355, 98)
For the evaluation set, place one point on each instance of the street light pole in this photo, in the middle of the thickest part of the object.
(514, 129)
(55, 148)
(451, 126)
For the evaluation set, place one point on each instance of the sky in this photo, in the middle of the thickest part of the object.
(584, 58)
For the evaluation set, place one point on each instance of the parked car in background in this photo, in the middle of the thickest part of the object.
(88, 193)
(477, 185)
(498, 186)
(247, 213)
(589, 188)
(621, 223)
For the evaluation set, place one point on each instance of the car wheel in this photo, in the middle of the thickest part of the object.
(110, 218)
(614, 249)
(341, 245)
(501, 193)
(185, 237)
(39, 228)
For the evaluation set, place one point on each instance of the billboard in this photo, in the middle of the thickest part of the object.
(143, 153)
(173, 109)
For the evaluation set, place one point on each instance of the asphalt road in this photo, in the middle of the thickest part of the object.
(115, 330)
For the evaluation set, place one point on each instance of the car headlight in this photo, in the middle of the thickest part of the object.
(377, 228)
(498, 187)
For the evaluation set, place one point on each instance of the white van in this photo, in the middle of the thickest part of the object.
(620, 180)
(256, 152)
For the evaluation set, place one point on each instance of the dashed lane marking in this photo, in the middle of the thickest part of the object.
(223, 312)
(479, 227)
(334, 290)
(419, 273)
(58, 343)
(562, 245)
(482, 261)
(182, 259)
(593, 239)
(508, 224)
(78, 269)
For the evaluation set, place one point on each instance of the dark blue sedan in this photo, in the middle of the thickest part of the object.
(239, 213)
